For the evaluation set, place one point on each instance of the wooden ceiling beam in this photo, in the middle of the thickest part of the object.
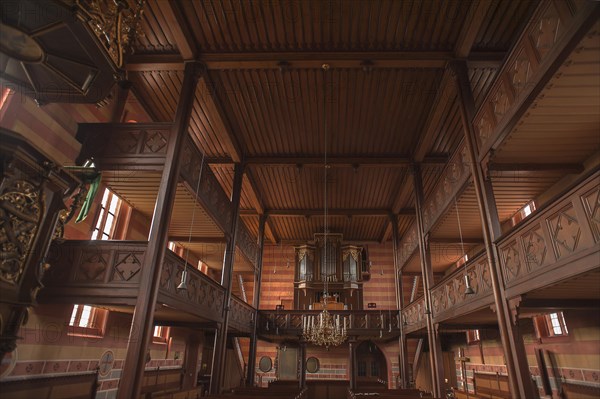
(291, 60)
(454, 241)
(496, 169)
(342, 161)
(330, 212)
(198, 240)
(182, 33)
(472, 25)
(231, 132)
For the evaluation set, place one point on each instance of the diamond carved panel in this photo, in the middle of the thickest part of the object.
(535, 249)
(547, 31)
(511, 261)
(591, 204)
(127, 142)
(127, 266)
(565, 231)
(156, 142)
(520, 73)
(93, 265)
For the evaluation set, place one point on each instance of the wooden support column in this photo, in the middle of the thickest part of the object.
(256, 301)
(435, 348)
(517, 367)
(400, 303)
(192, 350)
(140, 334)
(352, 363)
(302, 382)
(218, 375)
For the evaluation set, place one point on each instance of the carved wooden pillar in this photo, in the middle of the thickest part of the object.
(140, 335)
(400, 303)
(256, 301)
(514, 351)
(435, 348)
(218, 373)
(31, 196)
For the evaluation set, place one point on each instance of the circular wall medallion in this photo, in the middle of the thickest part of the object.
(312, 364)
(265, 364)
(19, 45)
(107, 360)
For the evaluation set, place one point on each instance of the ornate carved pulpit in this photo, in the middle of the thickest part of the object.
(32, 192)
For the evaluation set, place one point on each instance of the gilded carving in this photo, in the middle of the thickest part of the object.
(484, 127)
(500, 102)
(21, 207)
(565, 231)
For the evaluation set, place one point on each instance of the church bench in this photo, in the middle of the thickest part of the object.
(161, 382)
(65, 386)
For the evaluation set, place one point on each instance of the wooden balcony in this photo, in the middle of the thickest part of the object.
(282, 324)
(241, 316)
(556, 243)
(108, 273)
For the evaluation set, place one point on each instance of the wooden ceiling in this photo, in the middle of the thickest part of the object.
(387, 99)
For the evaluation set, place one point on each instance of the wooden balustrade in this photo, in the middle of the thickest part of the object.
(413, 316)
(383, 323)
(449, 298)
(555, 243)
(241, 316)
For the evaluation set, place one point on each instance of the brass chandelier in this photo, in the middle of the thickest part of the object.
(325, 329)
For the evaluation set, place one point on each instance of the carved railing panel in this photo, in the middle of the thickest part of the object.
(99, 267)
(133, 146)
(554, 243)
(448, 297)
(413, 316)
(548, 33)
(108, 272)
(210, 193)
(241, 315)
(203, 296)
(247, 244)
(408, 244)
(454, 176)
(384, 323)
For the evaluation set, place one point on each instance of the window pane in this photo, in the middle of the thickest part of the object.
(157, 331)
(95, 234)
(109, 223)
(113, 204)
(84, 321)
(100, 218)
(73, 315)
(105, 197)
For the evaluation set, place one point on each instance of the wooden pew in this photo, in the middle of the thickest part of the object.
(388, 394)
(71, 386)
(161, 382)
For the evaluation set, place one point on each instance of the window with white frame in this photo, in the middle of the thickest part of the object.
(107, 216)
(87, 320)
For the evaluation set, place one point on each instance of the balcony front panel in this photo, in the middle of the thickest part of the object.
(555, 243)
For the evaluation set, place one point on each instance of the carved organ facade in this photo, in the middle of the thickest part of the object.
(328, 265)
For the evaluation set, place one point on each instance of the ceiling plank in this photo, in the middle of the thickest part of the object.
(342, 161)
